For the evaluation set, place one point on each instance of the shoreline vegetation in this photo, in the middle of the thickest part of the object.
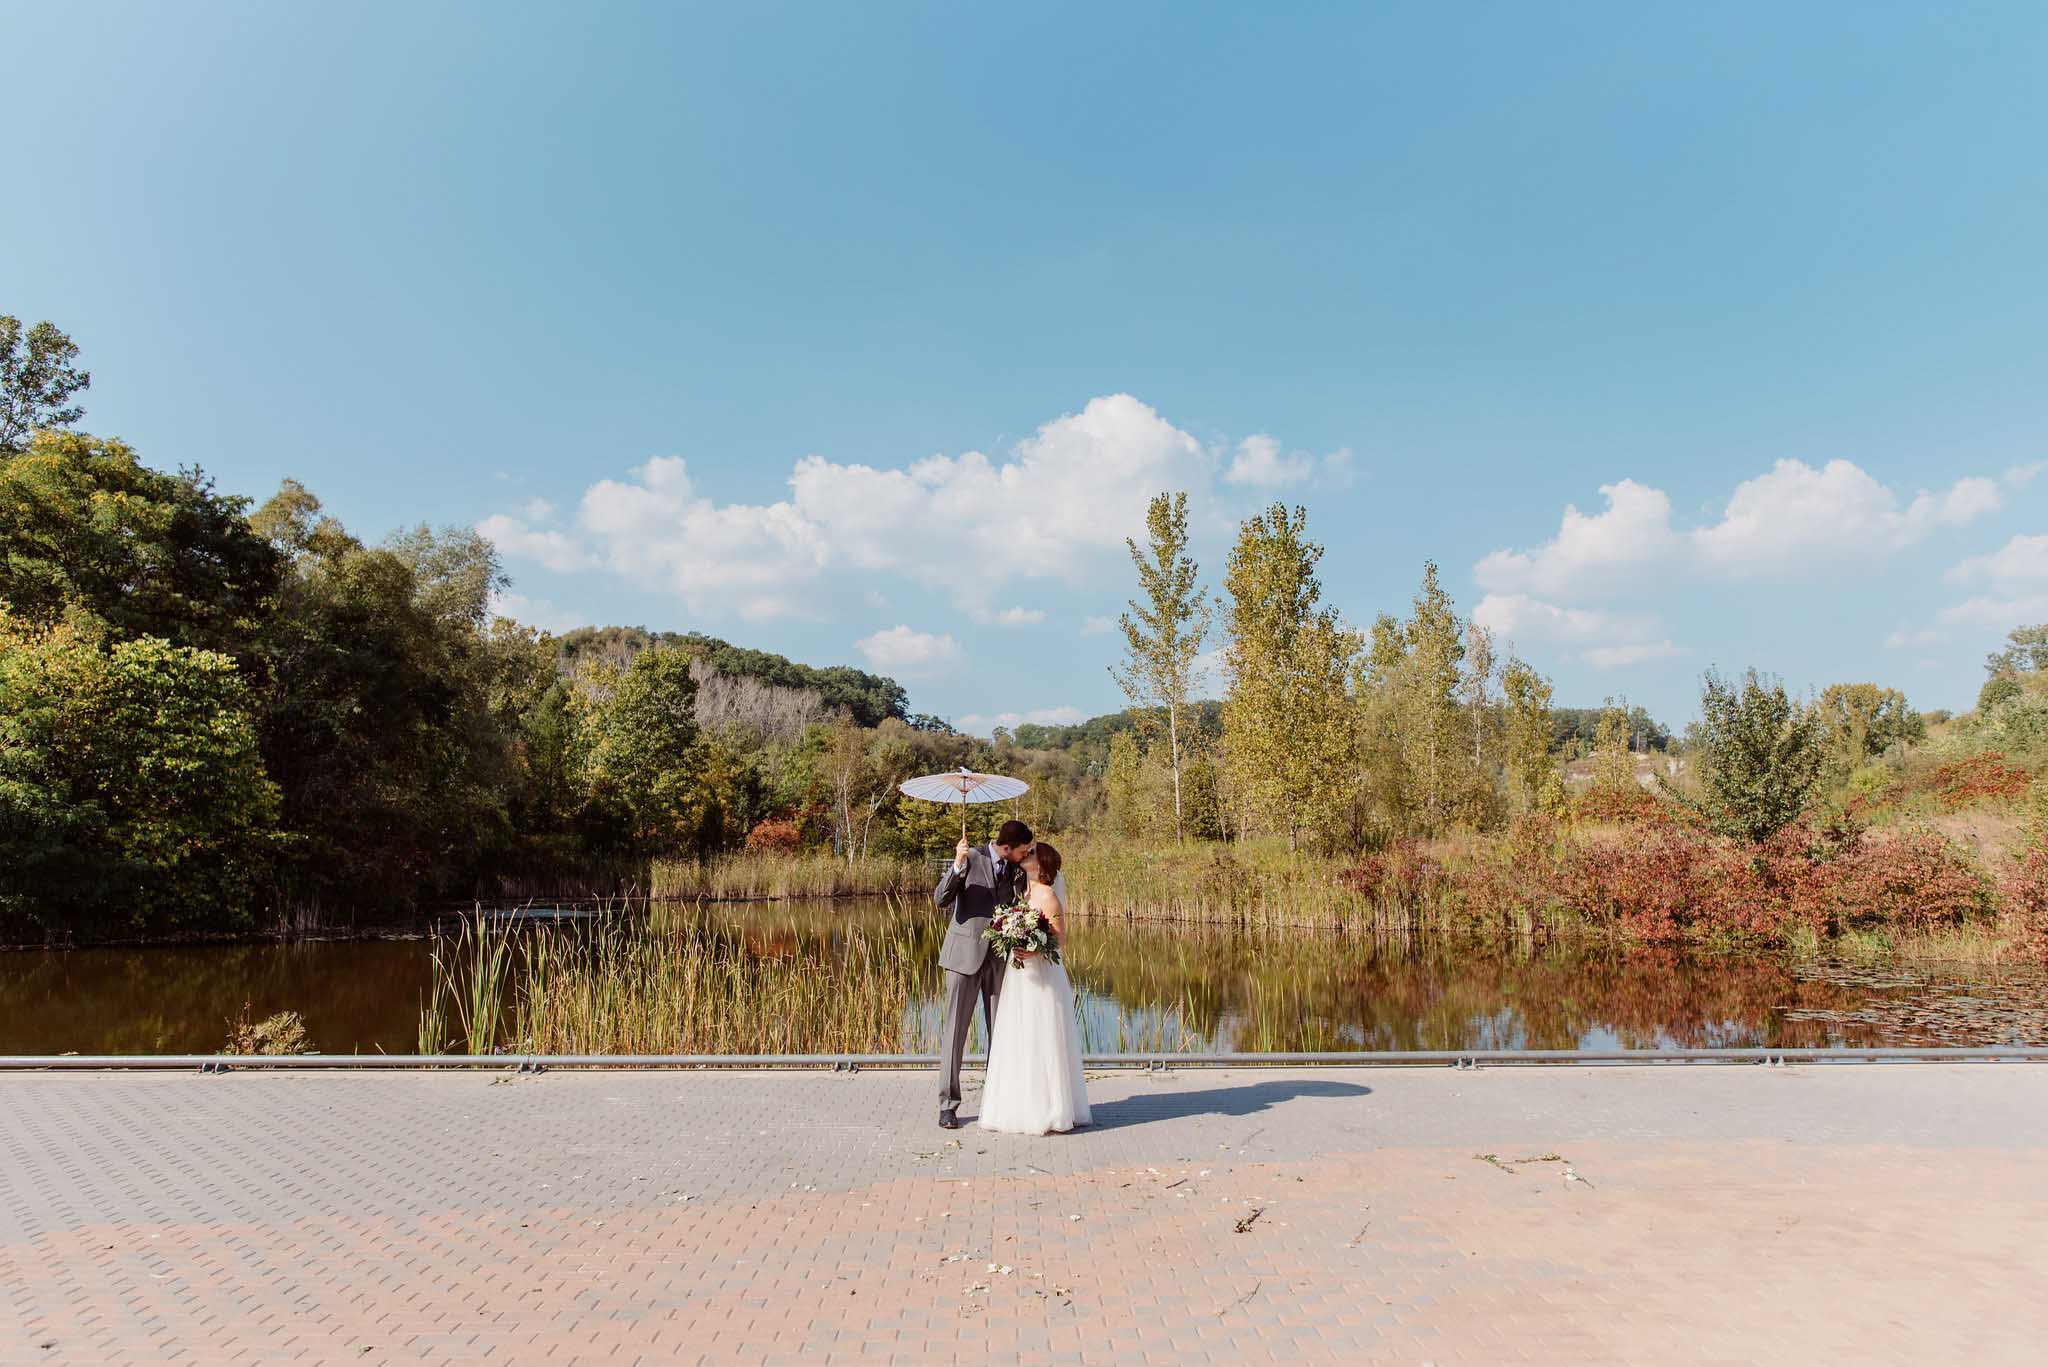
(695, 978)
(225, 718)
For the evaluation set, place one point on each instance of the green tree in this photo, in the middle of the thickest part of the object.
(132, 790)
(389, 719)
(83, 523)
(1861, 721)
(1424, 716)
(1614, 761)
(644, 748)
(1432, 725)
(1530, 771)
(2024, 653)
(1125, 787)
(37, 382)
(1163, 631)
(1287, 721)
(1760, 752)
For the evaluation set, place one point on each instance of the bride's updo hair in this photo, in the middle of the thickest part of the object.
(1048, 862)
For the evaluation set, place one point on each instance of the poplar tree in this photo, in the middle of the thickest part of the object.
(1525, 737)
(1287, 720)
(1431, 721)
(1163, 631)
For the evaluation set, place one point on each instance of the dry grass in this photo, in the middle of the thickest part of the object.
(675, 980)
(758, 876)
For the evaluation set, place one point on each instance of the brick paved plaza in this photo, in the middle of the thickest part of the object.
(1654, 1215)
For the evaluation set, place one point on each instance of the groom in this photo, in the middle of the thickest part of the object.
(982, 878)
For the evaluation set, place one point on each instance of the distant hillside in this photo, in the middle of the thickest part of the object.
(1202, 718)
(868, 698)
(1569, 724)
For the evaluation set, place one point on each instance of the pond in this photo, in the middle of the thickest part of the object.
(1141, 986)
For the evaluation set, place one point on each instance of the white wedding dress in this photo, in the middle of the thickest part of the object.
(1034, 1083)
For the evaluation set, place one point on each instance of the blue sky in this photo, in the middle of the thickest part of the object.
(862, 332)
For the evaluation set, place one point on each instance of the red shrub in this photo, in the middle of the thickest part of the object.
(1651, 882)
(1916, 880)
(1515, 881)
(1961, 782)
(774, 836)
(2026, 905)
(1625, 806)
(1400, 873)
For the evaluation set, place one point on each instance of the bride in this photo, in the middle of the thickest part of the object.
(1034, 1083)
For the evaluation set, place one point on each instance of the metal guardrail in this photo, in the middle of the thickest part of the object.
(842, 1063)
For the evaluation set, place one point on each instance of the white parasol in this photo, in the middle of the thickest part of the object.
(964, 786)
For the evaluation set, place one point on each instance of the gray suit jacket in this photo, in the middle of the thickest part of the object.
(972, 896)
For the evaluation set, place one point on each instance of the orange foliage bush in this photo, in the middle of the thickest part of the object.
(1400, 873)
(774, 836)
(2026, 905)
(1961, 782)
(1623, 806)
(1668, 882)
(1916, 880)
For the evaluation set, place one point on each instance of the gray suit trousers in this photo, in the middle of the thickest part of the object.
(960, 991)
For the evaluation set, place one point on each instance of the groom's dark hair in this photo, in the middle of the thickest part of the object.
(1013, 834)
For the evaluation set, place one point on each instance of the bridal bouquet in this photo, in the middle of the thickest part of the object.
(1018, 930)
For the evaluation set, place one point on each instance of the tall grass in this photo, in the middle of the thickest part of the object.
(1260, 883)
(758, 876)
(677, 980)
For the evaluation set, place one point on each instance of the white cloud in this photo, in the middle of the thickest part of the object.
(1604, 640)
(2017, 575)
(535, 612)
(1095, 470)
(1261, 463)
(2022, 560)
(1007, 617)
(658, 531)
(1789, 520)
(2020, 476)
(1339, 468)
(538, 510)
(547, 547)
(905, 654)
(978, 724)
(1590, 548)
(1098, 626)
(1210, 676)
(1983, 614)
(1615, 657)
(1797, 517)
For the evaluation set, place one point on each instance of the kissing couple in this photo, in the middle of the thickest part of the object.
(1034, 1082)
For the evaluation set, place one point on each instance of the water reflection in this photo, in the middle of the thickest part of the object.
(1141, 986)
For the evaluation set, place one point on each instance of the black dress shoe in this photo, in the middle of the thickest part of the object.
(948, 1120)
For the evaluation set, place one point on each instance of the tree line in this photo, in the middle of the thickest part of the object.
(1418, 725)
(218, 715)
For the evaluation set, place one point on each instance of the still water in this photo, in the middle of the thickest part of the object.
(1141, 986)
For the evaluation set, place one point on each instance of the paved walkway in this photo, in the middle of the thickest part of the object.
(1653, 1215)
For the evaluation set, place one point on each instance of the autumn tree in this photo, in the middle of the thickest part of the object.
(1425, 715)
(1614, 762)
(1163, 631)
(1530, 772)
(1287, 719)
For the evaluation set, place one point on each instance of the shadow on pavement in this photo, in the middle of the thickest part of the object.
(1245, 1100)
